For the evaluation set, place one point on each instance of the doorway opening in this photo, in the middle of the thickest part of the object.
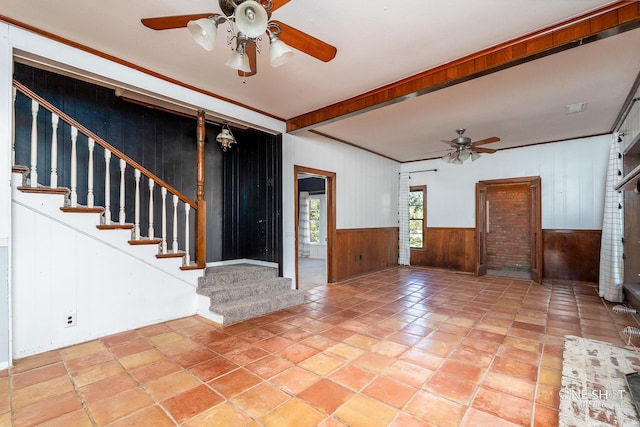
(315, 226)
(508, 227)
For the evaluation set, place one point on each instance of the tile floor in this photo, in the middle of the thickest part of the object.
(403, 347)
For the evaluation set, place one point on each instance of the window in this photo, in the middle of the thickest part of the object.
(314, 219)
(416, 217)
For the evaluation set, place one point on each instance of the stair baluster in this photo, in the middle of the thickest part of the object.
(107, 188)
(54, 150)
(151, 233)
(187, 258)
(174, 246)
(90, 198)
(122, 215)
(136, 213)
(163, 245)
(34, 144)
(74, 167)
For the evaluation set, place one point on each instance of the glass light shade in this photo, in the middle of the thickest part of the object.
(204, 32)
(474, 156)
(447, 157)
(239, 61)
(251, 18)
(225, 138)
(279, 52)
(464, 154)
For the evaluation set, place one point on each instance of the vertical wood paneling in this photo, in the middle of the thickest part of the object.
(571, 254)
(451, 248)
(364, 250)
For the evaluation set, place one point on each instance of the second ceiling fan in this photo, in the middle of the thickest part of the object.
(248, 21)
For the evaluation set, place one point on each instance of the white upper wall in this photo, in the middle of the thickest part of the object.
(572, 173)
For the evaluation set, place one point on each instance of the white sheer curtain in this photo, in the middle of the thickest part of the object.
(404, 257)
(304, 249)
(611, 248)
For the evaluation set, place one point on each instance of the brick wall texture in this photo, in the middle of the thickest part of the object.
(508, 240)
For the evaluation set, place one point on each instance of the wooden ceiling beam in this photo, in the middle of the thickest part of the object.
(604, 22)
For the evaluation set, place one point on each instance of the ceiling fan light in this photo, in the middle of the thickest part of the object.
(447, 158)
(464, 154)
(457, 161)
(279, 52)
(204, 32)
(474, 156)
(251, 18)
(239, 61)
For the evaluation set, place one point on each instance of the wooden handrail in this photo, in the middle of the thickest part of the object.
(104, 144)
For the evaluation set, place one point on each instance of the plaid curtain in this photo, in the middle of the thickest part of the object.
(611, 247)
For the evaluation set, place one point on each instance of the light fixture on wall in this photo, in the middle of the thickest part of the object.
(247, 21)
(225, 137)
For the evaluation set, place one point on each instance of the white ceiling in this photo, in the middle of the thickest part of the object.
(379, 42)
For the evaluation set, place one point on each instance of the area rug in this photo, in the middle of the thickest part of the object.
(594, 389)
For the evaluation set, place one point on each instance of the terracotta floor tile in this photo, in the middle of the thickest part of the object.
(46, 408)
(294, 380)
(362, 411)
(151, 416)
(88, 360)
(352, 377)
(408, 373)
(117, 339)
(152, 330)
(82, 350)
(130, 347)
(525, 356)
(362, 341)
(35, 361)
(548, 396)
(225, 414)
(246, 354)
(451, 387)
(191, 402)
(269, 366)
(296, 353)
(108, 387)
(293, 413)
(389, 348)
(213, 368)
(165, 338)
(373, 362)
(435, 409)
(155, 370)
(194, 357)
(545, 417)
(40, 391)
(388, 391)
(321, 364)
(37, 375)
(176, 348)
(77, 418)
(235, 382)
(515, 368)
(476, 418)
(326, 395)
(260, 400)
(519, 387)
(146, 357)
(504, 405)
(344, 351)
(119, 406)
(465, 371)
(422, 358)
(96, 373)
(170, 385)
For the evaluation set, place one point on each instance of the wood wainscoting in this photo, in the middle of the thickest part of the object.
(452, 248)
(363, 250)
(571, 254)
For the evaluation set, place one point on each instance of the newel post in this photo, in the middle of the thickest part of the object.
(201, 211)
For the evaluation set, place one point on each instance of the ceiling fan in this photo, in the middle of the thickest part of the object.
(463, 148)
(248, 21)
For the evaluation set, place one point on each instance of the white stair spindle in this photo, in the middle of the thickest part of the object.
(136, 220)
(34, 144)
(163, 192)
(174, 246)
(107, 187)
(13, 127)
(54, 150)
(90, 198)
(151, 184)
(187, 258)
(74, 168)
(122, 215)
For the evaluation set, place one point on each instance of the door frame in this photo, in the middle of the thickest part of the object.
(330, 195)
(535, 231)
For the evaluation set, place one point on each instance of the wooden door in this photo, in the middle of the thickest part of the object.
(481, 229)
(536, 230)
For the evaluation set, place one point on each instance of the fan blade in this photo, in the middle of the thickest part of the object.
(485, 141)
(170, 22)
(277, 4)
(483, 150)
(306, 43)
(250, 51)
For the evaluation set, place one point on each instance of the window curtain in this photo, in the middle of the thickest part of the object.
(611, 246)
(304, 248)
(403, 220)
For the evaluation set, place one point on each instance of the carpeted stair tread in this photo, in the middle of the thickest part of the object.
(239, 290)
(226, 274)
(236, 311)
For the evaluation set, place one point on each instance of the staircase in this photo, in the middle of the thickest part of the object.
(242, 291)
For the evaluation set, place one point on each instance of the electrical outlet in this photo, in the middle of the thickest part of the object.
(70, 320)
